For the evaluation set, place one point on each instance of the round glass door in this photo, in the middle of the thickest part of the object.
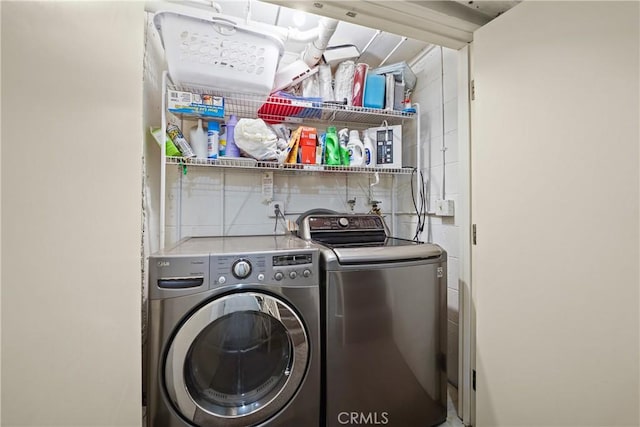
(237, 360)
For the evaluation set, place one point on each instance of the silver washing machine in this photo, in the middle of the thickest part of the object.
(234, 333)
(384, 323)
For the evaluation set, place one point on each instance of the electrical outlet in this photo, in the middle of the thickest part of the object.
(271, 208)
(445, 208)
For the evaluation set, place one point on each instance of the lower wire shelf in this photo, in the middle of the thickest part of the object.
(247, 163)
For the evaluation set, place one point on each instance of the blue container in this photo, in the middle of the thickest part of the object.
(374, 91)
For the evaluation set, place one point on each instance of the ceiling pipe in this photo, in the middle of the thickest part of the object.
(313, 52)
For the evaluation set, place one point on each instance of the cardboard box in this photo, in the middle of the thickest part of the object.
(193, 103)
(308, 142)
(308, 136)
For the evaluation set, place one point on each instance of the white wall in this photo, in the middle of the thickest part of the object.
(230, 202)
(437, 89)
(555, 166)
(71, 213)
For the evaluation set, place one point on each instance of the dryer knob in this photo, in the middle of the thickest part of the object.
(222, 280)
(241, 269)
(278, 275)
(293, 275)
(306, 273)
(343, 222)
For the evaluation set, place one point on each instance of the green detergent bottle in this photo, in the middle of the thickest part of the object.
(332, 147)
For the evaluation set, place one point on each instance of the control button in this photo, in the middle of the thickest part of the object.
(293, 275)
(306, 273)
(222, 280)
(241, 269)
(261, 277)
(343, 222)
(278, 275)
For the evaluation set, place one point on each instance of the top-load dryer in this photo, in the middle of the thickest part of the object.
(234, 333)
(384, 323)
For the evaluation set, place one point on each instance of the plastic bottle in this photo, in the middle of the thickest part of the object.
(232, 149)
(199, 140)
(343, 137)
(222, 143)
(356, 149)
(213, 137)
(369, 151)
(179, 140)
(332, 147)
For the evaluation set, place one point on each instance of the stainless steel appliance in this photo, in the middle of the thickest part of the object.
(234, 335)
(384, 323)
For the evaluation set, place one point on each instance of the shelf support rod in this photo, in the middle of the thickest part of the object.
(394, 184)
(418, 157)
(163, 160)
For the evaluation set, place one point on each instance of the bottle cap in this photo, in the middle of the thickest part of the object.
(215, 126)
(331, 129)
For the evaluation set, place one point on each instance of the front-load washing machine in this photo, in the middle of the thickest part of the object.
(234, 333)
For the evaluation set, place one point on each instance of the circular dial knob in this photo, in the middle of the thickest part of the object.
(343, 222)
(278, 275)
(293, 274)
(306, 273)
(241, 269)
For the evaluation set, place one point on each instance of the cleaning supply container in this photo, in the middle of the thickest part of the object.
(199, 140)
(232, 149)
(332, 147)
(222, 142)
(369, 150)
(343, 138)
(213, 139)
(356, 149)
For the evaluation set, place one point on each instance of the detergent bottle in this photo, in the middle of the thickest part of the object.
(356, 149)
(232, 149)
(343, 138)
(332, 147)
(369, 151)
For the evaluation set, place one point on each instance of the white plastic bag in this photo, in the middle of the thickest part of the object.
(324, 81)
(257, 140)
(344, 81)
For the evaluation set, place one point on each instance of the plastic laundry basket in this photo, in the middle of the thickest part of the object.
(209, 50)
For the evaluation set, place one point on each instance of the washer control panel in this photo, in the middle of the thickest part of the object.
(290, 269)
(347, 223)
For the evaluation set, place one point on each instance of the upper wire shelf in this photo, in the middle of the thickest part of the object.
(247, 163)
(275, 109)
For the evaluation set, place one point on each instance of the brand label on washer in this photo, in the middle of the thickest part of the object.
(440, 272)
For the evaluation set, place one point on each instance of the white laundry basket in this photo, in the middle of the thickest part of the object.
(209, 50)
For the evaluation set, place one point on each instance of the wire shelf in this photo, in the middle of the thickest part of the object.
(273, 109)
(246, 163)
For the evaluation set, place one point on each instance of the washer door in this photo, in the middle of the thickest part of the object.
(237, 360)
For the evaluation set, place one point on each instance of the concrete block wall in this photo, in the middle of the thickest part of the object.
(436, 92)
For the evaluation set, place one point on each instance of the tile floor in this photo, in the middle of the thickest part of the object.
(452, 403)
